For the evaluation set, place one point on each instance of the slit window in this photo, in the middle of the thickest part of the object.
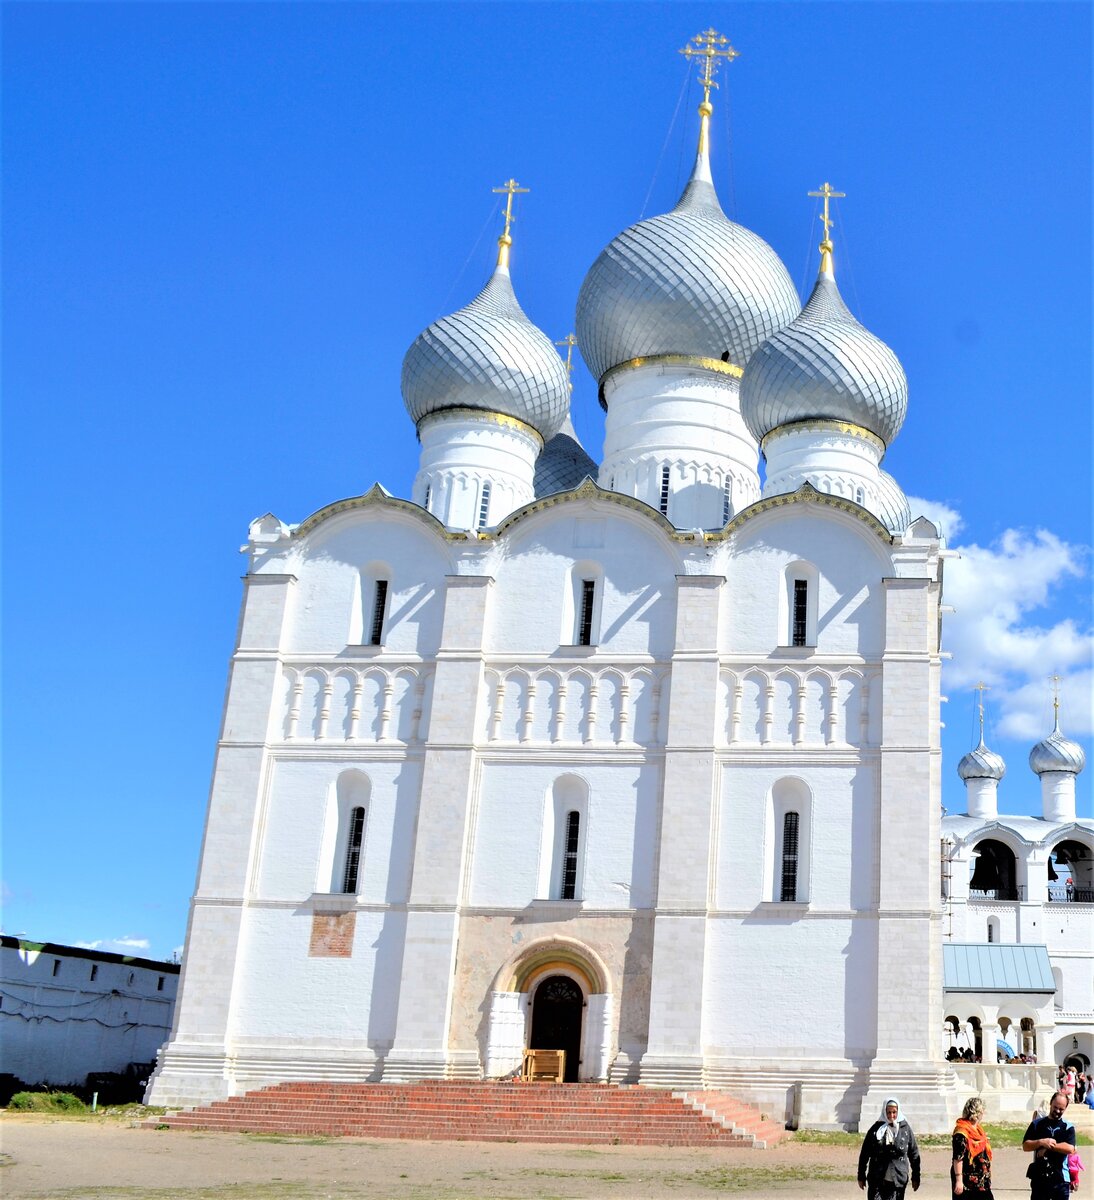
(94, 972)
(428, 494)
(798, 623)
(159, 984)
(585, 622)
(789, 885)
(991, 933)
(379, 609)
(569, 856)
(727, 496)
(663, 505)
(484, 505)
(353, 850)
(56, 967)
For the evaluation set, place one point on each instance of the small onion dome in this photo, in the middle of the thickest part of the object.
(487, 356)
(825, 366)
(562, 463)
(1057, 753)
(689, 282)
(981, 763)
(893, 510)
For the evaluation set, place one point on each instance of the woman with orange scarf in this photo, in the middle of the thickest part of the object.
(970, 1172)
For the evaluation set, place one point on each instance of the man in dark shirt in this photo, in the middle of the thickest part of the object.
(1050, 1139)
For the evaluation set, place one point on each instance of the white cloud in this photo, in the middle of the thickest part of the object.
(995, 635)
(126, 944)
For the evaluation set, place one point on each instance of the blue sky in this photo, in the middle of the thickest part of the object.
(224, 225)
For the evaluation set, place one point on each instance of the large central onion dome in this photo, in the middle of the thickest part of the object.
(825, 366)
(689, 282)
(488, 356)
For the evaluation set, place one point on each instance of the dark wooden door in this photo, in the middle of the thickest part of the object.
(556, 1020)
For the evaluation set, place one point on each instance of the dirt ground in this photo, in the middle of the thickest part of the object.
(57, 1158)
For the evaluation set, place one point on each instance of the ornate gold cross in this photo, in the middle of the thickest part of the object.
(706, 48)
(569, 341)
(511, 188)
(980, 688)
(829, 193)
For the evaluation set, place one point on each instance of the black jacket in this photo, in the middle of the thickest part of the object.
(881, 1163)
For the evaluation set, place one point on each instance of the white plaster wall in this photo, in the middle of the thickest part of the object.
(57, 1028)
(326, 615)
(791, 988)
(842, 821)
(298, 811)
(850, 560)
(618, 841)
(285, 998)
(531, 581)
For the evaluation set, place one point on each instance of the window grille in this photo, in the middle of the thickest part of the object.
(727, 496)
(484, 504)
(991, 932)
(428, 494)
(789, 889)
(569, 857)
(378, 610)
(664, 503)
(353, 850)
(585, 623)
(801, 608)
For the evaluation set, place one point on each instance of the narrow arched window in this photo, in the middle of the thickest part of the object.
(379, 609)
(991, 931)
(789, 885)
(727, 497)
(800, 619)
(585, 618)
(484, 504)
(569, 855)
(663, 504)
(353, 850)
(428, 495)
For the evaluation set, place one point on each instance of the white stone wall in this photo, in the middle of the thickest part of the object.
(66, 1013)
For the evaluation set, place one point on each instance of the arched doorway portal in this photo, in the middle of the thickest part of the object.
(557, 1005)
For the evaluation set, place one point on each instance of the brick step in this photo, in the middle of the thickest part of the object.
(589, 1114)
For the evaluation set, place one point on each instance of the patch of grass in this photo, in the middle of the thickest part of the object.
(46, 1102)
(288, 1139)
(761, 1179)
(826, 1137)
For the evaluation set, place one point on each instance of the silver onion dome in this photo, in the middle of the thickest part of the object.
(825, 366)
(689, 282)
(1057, 753)
(487, 356)
(892, 508)
(562, 463)
(982, 763)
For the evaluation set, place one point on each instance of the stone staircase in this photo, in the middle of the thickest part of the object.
(586, 1113)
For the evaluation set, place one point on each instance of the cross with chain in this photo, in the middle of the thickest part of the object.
(706, 48)
(828, 193)
(512, 188)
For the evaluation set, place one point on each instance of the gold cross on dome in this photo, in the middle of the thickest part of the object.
(706, 47)
(981, 688)
(569, 341)
(1056, 695)
(512, 188)
(828, 193)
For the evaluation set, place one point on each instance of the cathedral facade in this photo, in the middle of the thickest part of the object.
(637, 760)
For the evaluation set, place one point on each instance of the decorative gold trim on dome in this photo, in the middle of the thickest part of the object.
(671, 360)
(492, 418)
(824, 425)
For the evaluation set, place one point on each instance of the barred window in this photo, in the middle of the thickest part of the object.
(789, 888)
(379, 607)
(727, 497)
(664, 502)
(799, 624)
(585, 621)
(353, 850)
(569, 856)
(484, 505)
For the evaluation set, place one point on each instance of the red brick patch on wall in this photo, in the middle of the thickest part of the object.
(332, 935)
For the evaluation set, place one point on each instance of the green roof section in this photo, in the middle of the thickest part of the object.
(992, 967)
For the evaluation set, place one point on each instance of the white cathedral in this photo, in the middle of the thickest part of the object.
(639, 761)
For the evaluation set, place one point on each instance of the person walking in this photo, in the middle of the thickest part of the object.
(970, 1171)
(1050, 1139)
(889, 1157)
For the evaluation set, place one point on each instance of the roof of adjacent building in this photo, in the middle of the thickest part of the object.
(1034, 830)
(995, 967)
(104, 956)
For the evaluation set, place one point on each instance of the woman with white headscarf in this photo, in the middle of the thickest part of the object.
(889, 1158)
